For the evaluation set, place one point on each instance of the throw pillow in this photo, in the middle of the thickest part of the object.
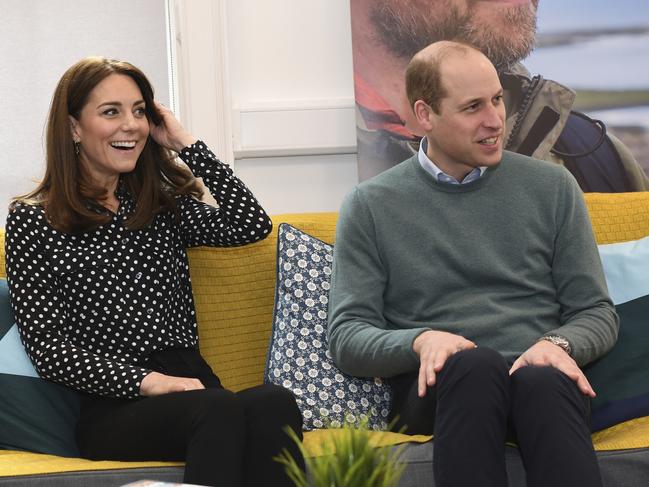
(621, 377)
(35, 415)
(298, 357)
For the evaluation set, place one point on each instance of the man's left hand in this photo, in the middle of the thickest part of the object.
(544, 353)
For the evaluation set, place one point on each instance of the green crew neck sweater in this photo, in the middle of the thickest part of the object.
(501, 261)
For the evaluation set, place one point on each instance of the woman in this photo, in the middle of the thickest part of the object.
(99, 283)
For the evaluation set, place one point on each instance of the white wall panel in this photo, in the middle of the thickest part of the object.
(299, 184)
(292, 95)
(297, 128)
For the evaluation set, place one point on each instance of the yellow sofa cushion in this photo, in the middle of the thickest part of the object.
(618, 217)
(234, 289)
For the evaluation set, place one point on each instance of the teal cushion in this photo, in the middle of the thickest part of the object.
(621, 377)
(35, 414)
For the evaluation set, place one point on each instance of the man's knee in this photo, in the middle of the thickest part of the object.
(482, 363)
(541, 381)
(546, 391)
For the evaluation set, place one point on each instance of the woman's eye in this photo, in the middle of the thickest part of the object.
(140, 111)
(110, 111)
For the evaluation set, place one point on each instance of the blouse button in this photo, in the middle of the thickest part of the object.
(138, 276)
(149, 312)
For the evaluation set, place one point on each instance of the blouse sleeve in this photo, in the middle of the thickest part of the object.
(40, 315)
(238, 220)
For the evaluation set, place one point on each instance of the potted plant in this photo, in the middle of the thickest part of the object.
(348, 460)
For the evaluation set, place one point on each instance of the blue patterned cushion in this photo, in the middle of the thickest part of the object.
(35, 414)
(621, 377)
(298, 357)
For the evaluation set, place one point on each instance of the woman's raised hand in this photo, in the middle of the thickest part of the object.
(170, 133)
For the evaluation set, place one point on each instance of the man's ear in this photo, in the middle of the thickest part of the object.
(74, 129)
(424, 114)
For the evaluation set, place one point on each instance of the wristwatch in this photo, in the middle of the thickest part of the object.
(559, 341)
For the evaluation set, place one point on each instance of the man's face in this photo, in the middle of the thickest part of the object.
(468, 130)
(503, 29)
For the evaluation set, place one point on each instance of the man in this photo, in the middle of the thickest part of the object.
(469, 276)
(386, 33)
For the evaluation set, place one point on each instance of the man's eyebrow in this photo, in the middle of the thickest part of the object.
(471, 101)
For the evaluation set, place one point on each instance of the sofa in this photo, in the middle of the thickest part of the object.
(235, 290)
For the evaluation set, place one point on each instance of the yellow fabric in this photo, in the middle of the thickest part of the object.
(234, 292)
(623, 436)
(234, 289)
(618, 217)
(23, 463)
(314, 441)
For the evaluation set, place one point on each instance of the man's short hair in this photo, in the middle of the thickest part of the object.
(423, 74)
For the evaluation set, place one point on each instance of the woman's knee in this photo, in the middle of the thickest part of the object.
(273, 404)
(214, 408)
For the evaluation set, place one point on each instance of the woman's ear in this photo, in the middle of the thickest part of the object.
(424, 114)
(74, 129)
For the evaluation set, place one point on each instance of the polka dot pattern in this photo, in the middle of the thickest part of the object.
(91, 307)
(299, 358)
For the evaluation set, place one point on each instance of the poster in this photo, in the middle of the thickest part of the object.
(597, 48)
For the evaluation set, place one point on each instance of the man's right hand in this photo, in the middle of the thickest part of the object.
(155, 384)
(434, 348)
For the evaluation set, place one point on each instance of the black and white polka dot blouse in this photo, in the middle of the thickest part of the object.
(91, 307)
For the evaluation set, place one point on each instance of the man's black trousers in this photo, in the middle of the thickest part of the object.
(476, 407)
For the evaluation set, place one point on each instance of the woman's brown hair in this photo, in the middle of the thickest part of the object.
(67, 193)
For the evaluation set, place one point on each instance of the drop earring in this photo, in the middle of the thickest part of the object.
(77, 147)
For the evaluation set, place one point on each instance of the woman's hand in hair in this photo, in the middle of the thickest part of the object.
(156, 384)
(170, 133)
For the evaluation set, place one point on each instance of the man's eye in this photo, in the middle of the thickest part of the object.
(498, 98)
(472, 108)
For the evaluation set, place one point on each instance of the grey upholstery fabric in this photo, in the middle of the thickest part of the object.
(96, 478)
(628, 468)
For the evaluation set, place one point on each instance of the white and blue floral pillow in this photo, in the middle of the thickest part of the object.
(298, 357)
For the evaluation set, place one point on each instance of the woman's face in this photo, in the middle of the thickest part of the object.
(112, 129)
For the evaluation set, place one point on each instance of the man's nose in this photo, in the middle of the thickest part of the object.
(494, 116)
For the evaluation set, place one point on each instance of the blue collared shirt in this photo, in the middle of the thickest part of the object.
(431, 168)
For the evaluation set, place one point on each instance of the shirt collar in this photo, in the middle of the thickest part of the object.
(430, 167)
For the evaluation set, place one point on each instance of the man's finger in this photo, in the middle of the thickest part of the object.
(421, 381)
(585, 386)
(440, 359)
(516, 365)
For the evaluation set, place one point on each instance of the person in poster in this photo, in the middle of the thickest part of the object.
(387, 33)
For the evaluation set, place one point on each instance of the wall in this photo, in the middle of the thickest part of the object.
(291, 87)
(269, 86)
(39, 40)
